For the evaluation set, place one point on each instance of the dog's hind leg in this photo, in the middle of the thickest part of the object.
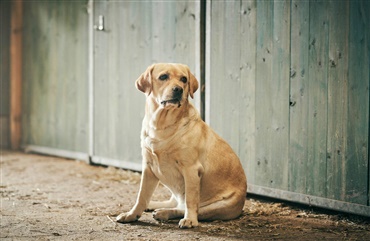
(224, 209)
(164, 214)
(171, 203)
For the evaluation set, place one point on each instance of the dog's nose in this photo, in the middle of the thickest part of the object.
(177, 90)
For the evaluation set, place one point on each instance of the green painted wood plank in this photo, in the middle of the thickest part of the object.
(366, 6)
(263, 92)
(228, 111)
(4, 73)
(247, 106)
(55, 64)
(358, 106)
(298, 154)
(4, 57)
(100, 82)
(56, 60)
(217, 42)
(337, 99)
(225, 75)
(280, 97)
(317, 90)
(272, 93)
(118, 106)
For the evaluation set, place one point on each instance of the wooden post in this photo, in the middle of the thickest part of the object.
(15, 74)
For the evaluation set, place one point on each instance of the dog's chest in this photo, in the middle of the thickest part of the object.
(164, 163)
(167, 170)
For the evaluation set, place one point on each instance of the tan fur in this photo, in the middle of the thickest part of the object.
(201, 170)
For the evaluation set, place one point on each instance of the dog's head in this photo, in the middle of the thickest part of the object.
(169, 84)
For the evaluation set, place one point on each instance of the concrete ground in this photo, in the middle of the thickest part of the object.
(49, 198)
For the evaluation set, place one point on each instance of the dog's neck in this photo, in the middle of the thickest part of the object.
(160, 124)
(161, 118)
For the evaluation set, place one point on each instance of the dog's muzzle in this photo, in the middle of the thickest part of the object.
(176, 96)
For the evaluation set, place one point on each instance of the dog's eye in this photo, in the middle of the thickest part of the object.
(183, 79)
(163, 77)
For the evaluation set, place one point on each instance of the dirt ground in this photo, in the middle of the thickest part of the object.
(49, 198)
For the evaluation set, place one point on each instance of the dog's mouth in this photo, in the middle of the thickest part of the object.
(175, 101)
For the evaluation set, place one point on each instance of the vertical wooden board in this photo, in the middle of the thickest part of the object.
(67, 78)
(4, 57)
(228, 111)
(63, 111)
(164, 31)
(225, 76)
(272, 93)
(16, 37)
(142, 51)
(366, 6)
(52, 95)
(217, 28)
(118, 109)
(337, 99)
(247, 105)
(100, 82)
(298, 96)
(184, 42)
(357, 162)
(173, 34)
(216, 65)
(56, 75)
(4, 73)
(187, 40)
(280, 97)
(263, 92)
(317, 90)
(133, 101)
(119, 88)
(35, 48)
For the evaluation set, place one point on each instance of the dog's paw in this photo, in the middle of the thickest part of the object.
(161, 215)
(188, 223)
(127, 217)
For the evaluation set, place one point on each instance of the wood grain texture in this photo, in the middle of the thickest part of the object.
(5, 7)
(225, 75)
(247, 104)
(357, 162)
(299, 80)
(303, 98)
(55, 75)
(337, 99)
(272, 93)
(317, 102)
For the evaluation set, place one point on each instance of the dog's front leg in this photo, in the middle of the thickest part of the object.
(192, 177)
(147, 186)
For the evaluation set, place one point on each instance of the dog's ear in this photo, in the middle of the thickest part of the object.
(144, 82)
(193, 84)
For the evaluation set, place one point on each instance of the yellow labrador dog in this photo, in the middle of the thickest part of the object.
(201, 170)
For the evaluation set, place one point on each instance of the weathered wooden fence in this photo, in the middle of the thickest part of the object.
(55, 71)
(4, 74)
(287, 85)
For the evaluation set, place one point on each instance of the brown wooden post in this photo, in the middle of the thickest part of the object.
(15, 74)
